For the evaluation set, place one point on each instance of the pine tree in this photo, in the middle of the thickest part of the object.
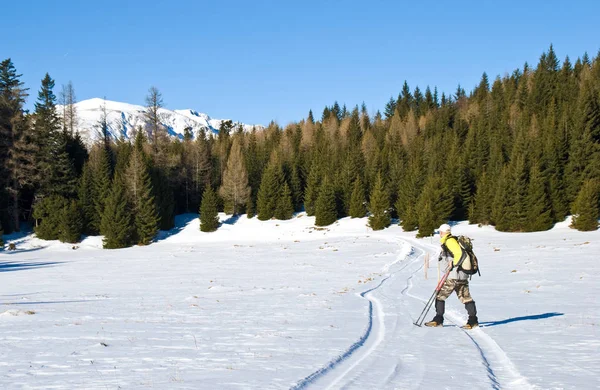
(379, 206)
(357, 200)
(1, 237)
(481, 207)
(116, 224)
(408, 195)
(57, 175)
(209, 216)
(235, 190)
(14, 164)
(537, 204)
(270, 190)
(325, 208)
(139, 189)
(103, 178)
(90, 219)
(164, 198)
(48, 215)
(71, 223)
(296, 186)
(284, 208)
(311, 192)
(250, 208)
(585, 208)
(434, 205)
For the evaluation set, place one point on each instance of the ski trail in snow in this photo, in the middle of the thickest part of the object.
(501, 371)
(335, 362)
(377, 328)
(380, 335)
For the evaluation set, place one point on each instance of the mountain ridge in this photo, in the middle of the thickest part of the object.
(123, 119)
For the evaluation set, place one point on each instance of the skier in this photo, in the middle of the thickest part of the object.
(457, 281)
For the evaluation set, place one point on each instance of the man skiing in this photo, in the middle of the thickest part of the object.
(457, 281)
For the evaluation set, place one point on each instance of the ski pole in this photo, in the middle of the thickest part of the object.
(429, 303)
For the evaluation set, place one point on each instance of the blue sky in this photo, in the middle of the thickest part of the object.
(257, 61)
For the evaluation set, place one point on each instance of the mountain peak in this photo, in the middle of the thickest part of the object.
(124, 118)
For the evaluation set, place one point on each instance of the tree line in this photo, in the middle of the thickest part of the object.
(521, 153)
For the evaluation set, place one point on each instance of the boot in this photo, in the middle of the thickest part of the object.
(438, 320)
(472, 322)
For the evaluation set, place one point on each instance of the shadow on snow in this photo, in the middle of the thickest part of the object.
(181, 221)
(524, 318)
(231, 220)
(9, 266)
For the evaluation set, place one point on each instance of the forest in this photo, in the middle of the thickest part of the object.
(519, 152)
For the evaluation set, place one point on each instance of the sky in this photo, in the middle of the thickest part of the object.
(257, 61)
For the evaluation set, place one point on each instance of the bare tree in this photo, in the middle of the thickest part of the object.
(154, 102)
(102, 126)
(69, 112)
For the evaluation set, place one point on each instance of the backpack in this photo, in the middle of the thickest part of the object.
(469, 264)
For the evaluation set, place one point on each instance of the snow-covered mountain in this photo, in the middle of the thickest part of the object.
(124, 118)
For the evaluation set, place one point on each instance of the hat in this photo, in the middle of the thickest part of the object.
(444, 228)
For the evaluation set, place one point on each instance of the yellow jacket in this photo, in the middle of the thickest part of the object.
(450, 242)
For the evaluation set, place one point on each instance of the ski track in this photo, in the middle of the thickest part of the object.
(492, 355)
(335, 362)
(380, 331)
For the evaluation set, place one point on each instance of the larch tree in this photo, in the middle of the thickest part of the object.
(234, 189)
(69, 110)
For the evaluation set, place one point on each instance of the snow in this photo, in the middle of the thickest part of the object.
(123, 119)
(282, 304)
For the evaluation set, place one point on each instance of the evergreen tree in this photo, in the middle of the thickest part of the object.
(434, 205)
(408, 195)
(311, 193)
(71, 223)
(325, 208)
(296, 186)
(357, 200)
(585, 208)
(139, 189)
(163, 195)
(12, 163)
(57, 175)
(48, 215)
(254, 165)
(209, 216)
(250, 208)
(379, 205)
(103, 178)
(270, 190)
(284, 208)
(90, 220)
(537, 204)
(481, 207)
(116, 224)
(1, 237)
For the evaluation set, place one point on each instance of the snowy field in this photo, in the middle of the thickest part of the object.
(280, 305)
